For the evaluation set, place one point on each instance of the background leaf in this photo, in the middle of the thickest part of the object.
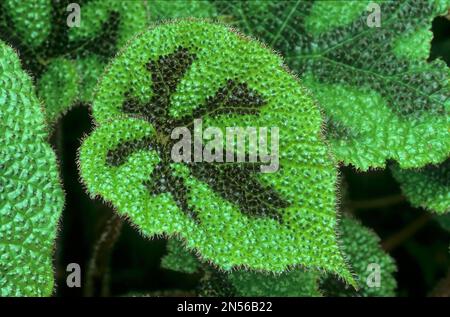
(359, 244)
(160, 10)
(428, 187)
(179, 259)
(361, 248)
(68, 59)
(295, 282)
(444, 221)
(383, 100)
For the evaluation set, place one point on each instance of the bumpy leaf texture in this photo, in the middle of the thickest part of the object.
(359, 244)
(175, 9)
(64, 61)
(179, 259)
(361, 248)
(295, 283)
(232, 214)
(382, 99)
(31, 198)
(428, 187)
(239, 283)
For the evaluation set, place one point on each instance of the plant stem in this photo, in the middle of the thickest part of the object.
(97, 274)
(377, 203)
(398, 238)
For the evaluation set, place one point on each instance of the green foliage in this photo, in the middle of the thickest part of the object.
(291, 283)
(428, 187)
(359, 244)
(233, 215)
(361, 247)
(296, 282)
(246, 233)
(59, 87)
(382, 99)
(31, 198)
(175, 9)
(179, 259)
(66, 62)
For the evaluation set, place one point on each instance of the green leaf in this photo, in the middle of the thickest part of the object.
(428, 187)
(64, 61)
(175, 9)
(296, 282)
(59, 87)
(31, 198)
(179, 259)
(382, 99)
(231, 214)
(361, 247)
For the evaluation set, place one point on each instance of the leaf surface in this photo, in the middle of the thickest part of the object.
(232, 214)
(31, 197)
(179, 259)
(297, 282)
(428, 187)
(361, 246)
(68, 59)
(175, 9)
(382, 99)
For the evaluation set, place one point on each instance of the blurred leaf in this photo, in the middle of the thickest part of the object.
(444, 221)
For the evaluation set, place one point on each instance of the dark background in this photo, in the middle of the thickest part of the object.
(416, 239)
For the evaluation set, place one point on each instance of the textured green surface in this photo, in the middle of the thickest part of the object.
(292, 283)
(179, 259)
(232, 215)
(325, 16)
(361, 248)
(383, 100)
(59, 87)
(296, 283)
(51, 51)
(240, 283)
(174, 9)
(31, 198)
(428, 187)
